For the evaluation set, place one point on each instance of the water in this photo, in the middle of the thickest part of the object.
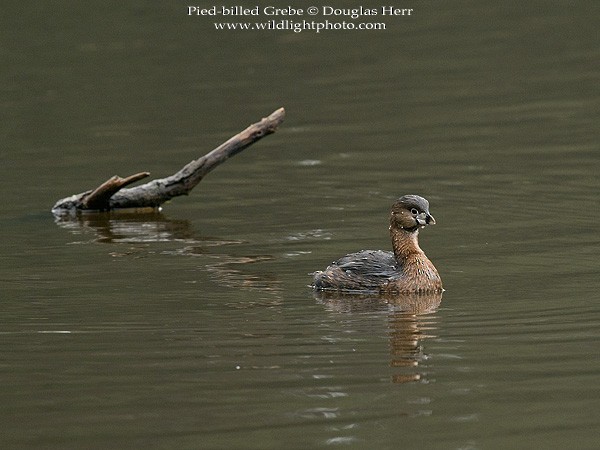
(195, 328)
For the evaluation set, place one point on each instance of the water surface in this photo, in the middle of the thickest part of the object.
(195, 328)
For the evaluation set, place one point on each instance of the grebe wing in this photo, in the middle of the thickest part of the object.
(367, 270)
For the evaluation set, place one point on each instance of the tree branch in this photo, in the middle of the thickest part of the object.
(112, 195)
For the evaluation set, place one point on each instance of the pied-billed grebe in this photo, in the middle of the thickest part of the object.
(407, 269)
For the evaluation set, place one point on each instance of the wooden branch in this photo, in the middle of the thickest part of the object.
(99, 198)
(111, 195)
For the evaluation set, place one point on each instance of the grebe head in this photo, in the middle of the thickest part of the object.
(410, 212)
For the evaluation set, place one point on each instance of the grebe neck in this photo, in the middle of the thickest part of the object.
(405, 243)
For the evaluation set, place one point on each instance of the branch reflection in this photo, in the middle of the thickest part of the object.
(127, 226)
(150, 226)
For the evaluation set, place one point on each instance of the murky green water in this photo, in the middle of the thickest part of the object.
(195, 328)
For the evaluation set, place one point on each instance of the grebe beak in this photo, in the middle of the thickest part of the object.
(425, 219)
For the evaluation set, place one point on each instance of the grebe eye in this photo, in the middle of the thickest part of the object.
(414, 211)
